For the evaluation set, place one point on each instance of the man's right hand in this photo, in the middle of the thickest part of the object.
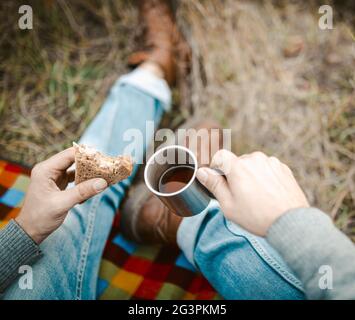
(255, 191)
(47, 200)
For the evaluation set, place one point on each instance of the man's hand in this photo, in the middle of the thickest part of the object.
(255, 191)
(47, 202)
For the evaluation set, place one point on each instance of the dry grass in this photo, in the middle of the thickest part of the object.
(301, 108)
(55, 77)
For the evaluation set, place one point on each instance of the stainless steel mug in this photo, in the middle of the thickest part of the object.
(190, 200)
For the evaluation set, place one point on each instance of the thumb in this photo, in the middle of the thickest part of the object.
(216, 184)
(82, 191)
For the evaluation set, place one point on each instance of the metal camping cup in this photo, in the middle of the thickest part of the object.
(188, 201)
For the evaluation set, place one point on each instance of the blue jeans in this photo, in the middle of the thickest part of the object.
(237, 263)
(72, 254)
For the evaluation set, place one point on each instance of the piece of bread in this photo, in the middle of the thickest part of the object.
(90, 163)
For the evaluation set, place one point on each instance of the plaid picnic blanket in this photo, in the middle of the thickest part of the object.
(128, 270)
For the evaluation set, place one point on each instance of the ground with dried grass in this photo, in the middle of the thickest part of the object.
(263, 69)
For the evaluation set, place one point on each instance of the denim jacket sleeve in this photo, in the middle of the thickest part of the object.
(320, 255)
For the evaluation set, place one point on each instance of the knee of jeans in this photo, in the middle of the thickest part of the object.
(213, 241)
(234, 267)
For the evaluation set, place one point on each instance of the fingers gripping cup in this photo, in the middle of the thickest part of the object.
(170, 174)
